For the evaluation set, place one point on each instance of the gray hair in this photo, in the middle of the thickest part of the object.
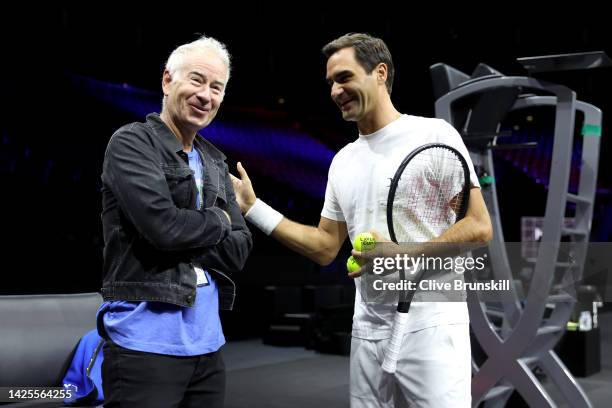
(177, 57)
(176, 60)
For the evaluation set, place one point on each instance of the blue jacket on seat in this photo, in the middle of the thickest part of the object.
(84, 376)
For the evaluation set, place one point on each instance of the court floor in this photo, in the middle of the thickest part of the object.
(275, 377)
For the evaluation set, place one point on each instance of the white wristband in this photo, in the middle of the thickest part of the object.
(263, 216)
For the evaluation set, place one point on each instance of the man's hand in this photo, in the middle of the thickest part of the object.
(245, 195)
(365, 257)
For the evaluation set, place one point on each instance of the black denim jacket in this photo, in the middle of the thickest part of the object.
(153, 233)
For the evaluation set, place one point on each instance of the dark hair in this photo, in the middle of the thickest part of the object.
(369, 52)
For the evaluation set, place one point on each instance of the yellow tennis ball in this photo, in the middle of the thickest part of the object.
(352, 265)
(364, 242)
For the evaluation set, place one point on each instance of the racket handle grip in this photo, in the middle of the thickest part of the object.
(395, 342)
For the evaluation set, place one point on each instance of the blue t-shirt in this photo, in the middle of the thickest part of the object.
(164, 328)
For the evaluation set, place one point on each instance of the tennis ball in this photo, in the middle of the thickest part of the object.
(364, 242)
(572, 326)
(352, 265)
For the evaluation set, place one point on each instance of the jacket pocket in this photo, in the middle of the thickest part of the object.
(181, 184)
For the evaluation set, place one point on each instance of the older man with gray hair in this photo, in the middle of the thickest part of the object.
(173, 236)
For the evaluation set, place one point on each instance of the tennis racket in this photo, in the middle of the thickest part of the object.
(429, 192)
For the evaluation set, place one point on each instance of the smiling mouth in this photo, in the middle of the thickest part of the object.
(345, 104)
(199, 109)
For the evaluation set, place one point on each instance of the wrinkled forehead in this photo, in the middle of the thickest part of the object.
(207, 63)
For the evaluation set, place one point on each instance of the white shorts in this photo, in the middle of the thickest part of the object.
(434, 370)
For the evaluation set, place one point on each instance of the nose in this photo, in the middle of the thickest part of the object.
(336, 90)
(203, 94)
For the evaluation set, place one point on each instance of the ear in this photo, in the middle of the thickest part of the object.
(381, 73)
(166, 79)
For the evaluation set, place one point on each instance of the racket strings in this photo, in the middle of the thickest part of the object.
(428, 195)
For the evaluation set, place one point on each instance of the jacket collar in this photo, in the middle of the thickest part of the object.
(169, 139)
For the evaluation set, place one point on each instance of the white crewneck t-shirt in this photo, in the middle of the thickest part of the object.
(356, 193)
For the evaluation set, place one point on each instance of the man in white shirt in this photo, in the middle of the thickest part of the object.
(434, 369)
